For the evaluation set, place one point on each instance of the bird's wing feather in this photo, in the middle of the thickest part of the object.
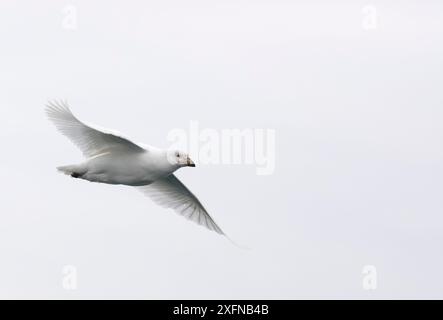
(91, 141)
(170, 192)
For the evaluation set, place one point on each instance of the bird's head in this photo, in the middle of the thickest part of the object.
(180, 158)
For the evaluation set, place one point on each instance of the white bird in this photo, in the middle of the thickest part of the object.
(113, 159)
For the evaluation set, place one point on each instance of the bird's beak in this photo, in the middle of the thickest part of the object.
(190, 163)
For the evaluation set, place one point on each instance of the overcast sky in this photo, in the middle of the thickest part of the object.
(355, 100)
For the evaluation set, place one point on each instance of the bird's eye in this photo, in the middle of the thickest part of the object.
(177, 155)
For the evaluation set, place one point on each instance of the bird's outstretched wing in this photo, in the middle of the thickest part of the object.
(170, 192)
(91, 141)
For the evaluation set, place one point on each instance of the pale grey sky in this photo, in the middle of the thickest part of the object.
(358, 119)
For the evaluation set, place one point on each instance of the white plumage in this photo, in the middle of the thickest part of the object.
(114, 159)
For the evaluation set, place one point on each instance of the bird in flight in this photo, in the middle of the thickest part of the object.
(114, 159)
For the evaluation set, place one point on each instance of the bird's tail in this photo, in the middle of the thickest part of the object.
(72, 170)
